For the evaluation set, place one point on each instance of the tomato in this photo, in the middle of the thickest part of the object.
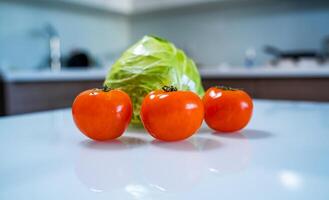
(227, 109)
(102, 114)
(172, 115)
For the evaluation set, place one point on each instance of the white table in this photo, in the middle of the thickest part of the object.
(282, 154)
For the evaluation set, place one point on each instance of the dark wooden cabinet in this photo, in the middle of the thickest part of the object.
(308, 89)
(23, 97)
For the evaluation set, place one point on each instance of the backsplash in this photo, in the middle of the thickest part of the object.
(223, 32)
(211, 34)
(23, 46)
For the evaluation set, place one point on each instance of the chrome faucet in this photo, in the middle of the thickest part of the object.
(54, 48)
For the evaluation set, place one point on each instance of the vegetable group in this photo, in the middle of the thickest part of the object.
(172, 115)
(102, 114)
(227, 109)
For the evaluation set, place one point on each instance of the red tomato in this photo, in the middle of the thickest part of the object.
(171, 115)
(102, 114)
(227, 109)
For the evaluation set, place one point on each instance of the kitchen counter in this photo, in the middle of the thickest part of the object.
(47, 75)
(282, 154)
(99, 74)
(264, 72)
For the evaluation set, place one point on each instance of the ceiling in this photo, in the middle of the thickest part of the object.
(129, 7)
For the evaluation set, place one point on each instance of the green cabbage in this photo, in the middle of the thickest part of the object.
(150, 64)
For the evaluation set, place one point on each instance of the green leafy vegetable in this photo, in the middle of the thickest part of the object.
(150, 64)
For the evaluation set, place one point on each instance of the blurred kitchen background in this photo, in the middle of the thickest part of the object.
(50, 50)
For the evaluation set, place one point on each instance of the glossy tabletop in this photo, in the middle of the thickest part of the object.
(282, 154)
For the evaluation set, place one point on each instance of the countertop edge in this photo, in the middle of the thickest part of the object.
(215, 73)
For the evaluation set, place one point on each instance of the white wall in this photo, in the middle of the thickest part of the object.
(20, 47)
(222, 32)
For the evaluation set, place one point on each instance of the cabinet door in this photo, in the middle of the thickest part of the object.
(26, 97)
(309, 89)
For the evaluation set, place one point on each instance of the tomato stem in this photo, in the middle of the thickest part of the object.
(169, 88)
(223, 87)
(106, 88)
